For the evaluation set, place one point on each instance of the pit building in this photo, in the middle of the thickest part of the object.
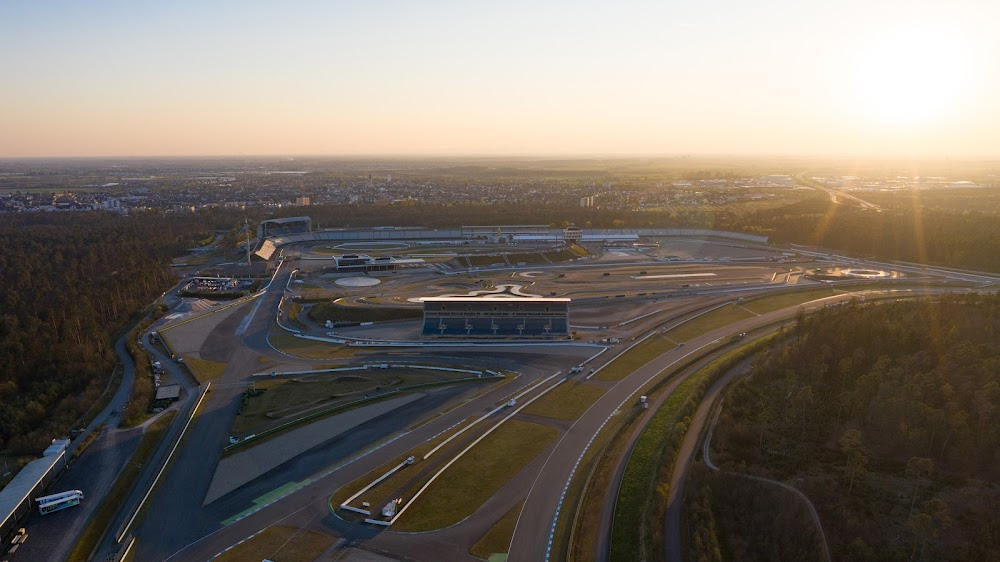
(496, 317)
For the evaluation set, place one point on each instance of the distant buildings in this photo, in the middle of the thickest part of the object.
(778, 181)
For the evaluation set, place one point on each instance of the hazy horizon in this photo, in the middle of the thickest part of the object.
(449, 79)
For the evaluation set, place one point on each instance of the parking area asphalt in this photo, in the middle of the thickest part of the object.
(242, 467)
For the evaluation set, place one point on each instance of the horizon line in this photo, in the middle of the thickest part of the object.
(515, 156)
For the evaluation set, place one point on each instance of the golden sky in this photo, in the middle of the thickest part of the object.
(871, 78)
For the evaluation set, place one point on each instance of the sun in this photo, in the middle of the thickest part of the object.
(912, 76)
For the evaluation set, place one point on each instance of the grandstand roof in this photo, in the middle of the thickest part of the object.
(494, 298)
(287, 220)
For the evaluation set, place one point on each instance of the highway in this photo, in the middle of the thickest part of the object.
(835, 194)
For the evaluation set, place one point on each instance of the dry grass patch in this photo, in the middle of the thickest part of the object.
(478, 475)
(394, 481)
(770, 303)
(288, 398)
(203, 369)
(282, 544)
(567, 401)
(625, 364)
(307, 349)
(707, 322)
(497, 539)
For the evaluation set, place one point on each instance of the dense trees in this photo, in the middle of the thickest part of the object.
(730, 517)
(900, 449)
(69, 282)
(957, 238)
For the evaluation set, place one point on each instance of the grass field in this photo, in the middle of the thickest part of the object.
(484, 261)
(528, 258)
(281, 543)
(203, 369)
(294, 310)
(770, 303)
(707, 322)
(113, 501)
(286, 398)
(476, 476)
(307, 349)
(497, 539)
(565, 255)
(567, 402)
(634, 358)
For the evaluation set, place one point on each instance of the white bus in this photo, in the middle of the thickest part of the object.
(62, 500)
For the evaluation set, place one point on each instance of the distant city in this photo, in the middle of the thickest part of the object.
(181, 189)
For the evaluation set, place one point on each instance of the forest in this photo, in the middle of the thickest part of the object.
(887, 416)
(71, 282)
(906, 231)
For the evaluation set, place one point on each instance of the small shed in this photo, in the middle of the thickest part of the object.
(170, 392)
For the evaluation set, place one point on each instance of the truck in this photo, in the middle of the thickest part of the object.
(55, 502)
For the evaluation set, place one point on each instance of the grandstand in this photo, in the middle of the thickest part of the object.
(451, 236)
(496, 317)
(504, 232)
(283, 227)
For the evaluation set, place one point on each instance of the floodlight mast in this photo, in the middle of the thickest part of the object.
(246, 227)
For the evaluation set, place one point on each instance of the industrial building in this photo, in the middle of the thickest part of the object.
(496, 317)
(17, 496)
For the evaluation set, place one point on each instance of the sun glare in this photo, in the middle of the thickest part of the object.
(913, 77)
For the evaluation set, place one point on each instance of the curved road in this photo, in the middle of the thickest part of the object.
(533, 532)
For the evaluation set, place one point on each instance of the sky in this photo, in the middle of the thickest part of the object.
(378, 77)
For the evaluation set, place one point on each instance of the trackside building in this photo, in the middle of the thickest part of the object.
(16, 499)
(496, 317)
